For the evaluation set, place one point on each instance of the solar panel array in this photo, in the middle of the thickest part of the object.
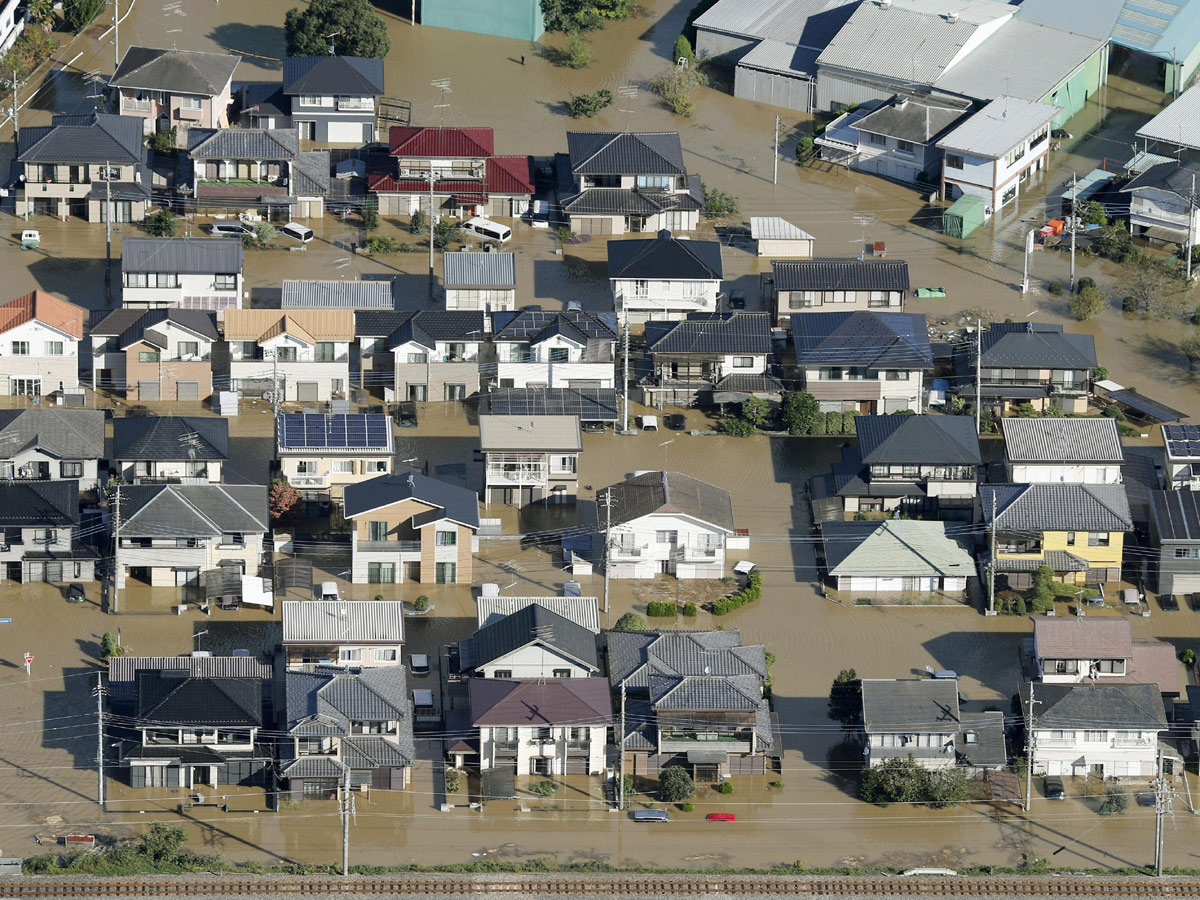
(589, 404)
(1182, 440)
(335, 432)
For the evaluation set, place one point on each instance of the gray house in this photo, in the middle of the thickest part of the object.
(1175, 531)
(333, 98)
(837, 285)
(260, 168)
(175, 449)
(426, 356)
(40, 520)
(51, 445)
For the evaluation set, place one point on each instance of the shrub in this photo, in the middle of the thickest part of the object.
(1188, 657)
(578, 54)
(264, 234)
(453, 781)
(1084, 283)
(1113, 412)
(109, 646)
(799, 412)
(735, 427)
(1116, 800)
(160, 223)
(833, 422)
(818, 424)
(81, 13)
(689, 609)
(630, 622)
(163, 141)
(804, 148)
(381, 243)
(370, 217)
(725, 787)
(777, 784)
(1055, 288)
(418, 222)
(756, 410)
(905, 781)
(1087, 303)
(662, 609)
(676, 87)
(751, 592)
(849, 426)
(1100, 373)
(544, 788)
(587, 105)
(378, 598)
(446, 233)
(405, 247)
(1190, 346)
(719, 205)
(682, 49)
(628, 785)
(675, 785)
(421, 604)
(687, 807)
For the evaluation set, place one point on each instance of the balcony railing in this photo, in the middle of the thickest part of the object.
(391, 546)
(533, 475)
(622, 552)
(355, 104)
(505, 746)
(132, 105)
(1056, 742)
(308, 480)
(577, 746)
(1132, 742)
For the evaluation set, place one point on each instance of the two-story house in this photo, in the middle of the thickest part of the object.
(927, 466)
(530, 458)
(190, 273)
(1175, 538)
(155, 354)
(1062, 450)
(81, 167)
(837, 285)
(555, 348)
(196, 733)
(170, 533)
(346, 723)
(1182, 469)
(425, 356)
(356, 633)
(178, 89)
(260, 168)
(343, 293)
(557, 726)
(708, 353)
(42, 540)
(468, 178)
(1078, 530)
(630, 182)
(12, 23)
(175, 449)
(411, 527)
(52, 445)
(320, 454)
(1161, 204)
(594, 406)
(333, 98)
(897, 557)
(302, 353)
(39, 345)
(1074, 649)
(532, 642)
(667, 522)
(1029, 362)
(695, 699)
(992, 153)
(920, 719)
(1111, 730)
(664, 277)
(491, 606)
(483, 281)
(868, 362)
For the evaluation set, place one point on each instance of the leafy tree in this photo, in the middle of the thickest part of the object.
(1116, 800)
(109, 646)
(735, 426)
(583, 15)
(370, 217)
(418, 222)
(282, 500)
(719, 205)
(1092, 212)
(381, 243)
(805, 148)
(33, 47)
(79, 14)
(161, 223)
(1190, 346)
(756, 410)
(676, 87)
(162, 842)
(675, 785)
(41, 12)
(1087, 304)
(799, 412)
(1100, 373)
(682, 49)
(1055, 288)
(895, 781)
(587, 105)
(264, 234)
(1041, 595)
(360, 32)
(1113, 242)
(947, 787)
(833, 422)
(578, 54)
(845, 698)
(630, 622)
(163, 141)
(1153, 287)
(446, 233)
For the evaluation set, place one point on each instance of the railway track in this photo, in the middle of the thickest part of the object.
(617, 887)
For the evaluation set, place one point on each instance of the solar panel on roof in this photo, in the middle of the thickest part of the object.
(589, 404)
(340, 431)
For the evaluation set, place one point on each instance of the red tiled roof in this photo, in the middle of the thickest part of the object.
(449, 143)
(46, 308)
(503, 175)
(510, 175)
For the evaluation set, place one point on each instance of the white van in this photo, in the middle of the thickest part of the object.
(229, 228)
(486, 228)
(297, 232)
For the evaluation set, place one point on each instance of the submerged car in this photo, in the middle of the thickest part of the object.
(1052, 787)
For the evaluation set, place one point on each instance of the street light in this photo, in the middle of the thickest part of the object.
(196, 637)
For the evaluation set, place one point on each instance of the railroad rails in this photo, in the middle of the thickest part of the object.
(876, 886)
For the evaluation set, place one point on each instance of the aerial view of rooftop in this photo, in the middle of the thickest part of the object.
(564, 448)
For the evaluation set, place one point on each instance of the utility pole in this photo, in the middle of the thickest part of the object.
(775, 180)
(1164, 798)
(992, 563)
(15, 109)
(607, 542)
(1074, 221)
(978, 375)
(347, 812)
(116, 36)
(1028, 251)
(116, 596)
(431, 233)
(98, 692)
(108, 214)
(621, 743)
(1029, 748)
(275, 398)
(1191, 217)
(625, 377)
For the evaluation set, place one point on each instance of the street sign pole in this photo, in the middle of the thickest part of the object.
(28, 663)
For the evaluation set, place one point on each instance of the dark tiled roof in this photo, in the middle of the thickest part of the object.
(170, 700)
(1176, 515)
(326, 700)
(39, 503)
(918, 439)
(428, 142)
(1176, 178)
(562, 701)
(628, 201)
(635, 657)
(706, 692)
(536, 624)
(374, 753)
(427, 327)
(379, 322)
(746, 383)
(669, 492)
(452, 502)
(988, 747)
(860, 338)
(1075, 706)
(734, 332)
(347, 75)
(243, 143)
(840, 275)
(665, 257)
(191, 256)
(1057, 507)
(170, 438)
(65, 433)
(910, 704)
(175, 71)
(93, 138)
(264, 98)
(534, 325)
(310, 173)
(129, 324)
(1026, 344)
(624, 153)
(199, 510)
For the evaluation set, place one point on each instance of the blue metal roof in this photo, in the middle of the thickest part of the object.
(1160, 27)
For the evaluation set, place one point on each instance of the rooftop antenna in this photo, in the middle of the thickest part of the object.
(443, 85)
(628, 93)
(332, 34)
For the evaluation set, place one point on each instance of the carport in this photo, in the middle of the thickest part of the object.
(497, 784)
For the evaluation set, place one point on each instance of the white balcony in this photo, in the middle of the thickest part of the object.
(129, 104)
(1048, 743)
(523, 475)
(1131, 743)
(309, 481)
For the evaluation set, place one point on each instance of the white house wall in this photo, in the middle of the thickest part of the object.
(163, 560)
(651, 554)
(535, 661)
(1121, 753)
(665, 300)
(193, 287)
(1024, 473)
(55, 372)
(528, 747)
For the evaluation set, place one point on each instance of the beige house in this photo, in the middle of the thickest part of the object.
(177, 89)
(365, 633)
(321, 454)
(155, 354)
(530, 458)
(305, 353)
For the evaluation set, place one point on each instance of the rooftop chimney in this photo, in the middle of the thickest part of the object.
(952, 16)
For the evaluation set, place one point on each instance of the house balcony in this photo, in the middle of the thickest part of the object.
(129, 104)
(184, 114)
(1055, 743)
(677, 744)
(525, 475)
(308, 481)
(1132, 743)
(543, 748)
(618, 552)
(355, 104)
(506, 747)
(390, 546)
(579, 746)
(690, 553)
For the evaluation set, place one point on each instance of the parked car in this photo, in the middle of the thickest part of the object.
(419, 663)
(649, 423)
(721, 817)
(406, 414)
(737, 299)
(676, 421)
(650, 815)
(592, 427)
(1169, 602)
(229, 228)
(1052, 787)
(75, 594)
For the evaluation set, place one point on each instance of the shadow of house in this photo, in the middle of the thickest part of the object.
(80, 279)
(75, 703)
(266, 43)
(796, 460)
(995, 662)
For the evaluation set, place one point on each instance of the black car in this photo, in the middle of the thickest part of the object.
(676, 421)
(1169, 602)
(405, 414)
(737, 299)
(1052, 787)
(592, 427)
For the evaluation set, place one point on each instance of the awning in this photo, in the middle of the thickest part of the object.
(257, 592)
(707, 755)
(468, 199)
(1011, 391)
(1163, 233)
(1145, 408)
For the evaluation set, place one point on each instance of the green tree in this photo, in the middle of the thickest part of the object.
(109, 646)
(578, 54)
(719, 205)
(161, 223)
(895, 781)
(833, 422)
(359, 31)
(1087, 304)
(630, 622)
(947, 787)
(445, 233)
(79, 14)
(41, 12)
(264, 234)
(799, 412)
(162, 842)
(805, 148)
(682, 49)
(735, 426)
(418, 222)
(756, 410)
(1091, 212)
(1041, 595)
(1153, 287)
(1113, 242)
(381, 243)
(677, 88)
(586, 106)
(583, 15)
(845, 698)
(163, 141)
(1116, 800)
(370, 216)
(675, 785)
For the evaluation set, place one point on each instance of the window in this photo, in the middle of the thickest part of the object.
(904, 146)
(666, 537)
(381, 573)
(420, 358)
(1098, 538)
(559, 354)
(641, 288)
(693, 290)
(347, 654)
(310, 100)
(877, 139)
(503, 673)
(343, 467)
(225, 282)
(1185, 553)
(54, 348)
(375, 465)
(1096, 737)
(190, 103)
(562, 465)
(446, 573)
(233, 539)
(743, 362)
(385, 655)
(70, 469)
(285, 354)
(307, 467)
(830, 373)
(1111, 666)
(1070, 539)
(561, 673)
(544, 733)
(45, 535)
(326, 350)
(148, 356)
(189, 348)
(662, 182)
(249, 349)
(1015, 155)
(954, 161)
(377, 531)
(20, 348)
(893, 375)
(446, 539)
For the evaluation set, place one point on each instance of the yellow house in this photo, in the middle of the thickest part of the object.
(1078, 530)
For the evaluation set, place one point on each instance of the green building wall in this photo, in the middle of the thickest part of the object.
(1082, 84)
(520, 19)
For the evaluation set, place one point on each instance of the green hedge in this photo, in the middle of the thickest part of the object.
(662, 608)
(833, 422)
(751, 592)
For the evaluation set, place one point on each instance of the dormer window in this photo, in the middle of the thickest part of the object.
(285, 354)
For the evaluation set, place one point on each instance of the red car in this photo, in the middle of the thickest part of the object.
(721, 817)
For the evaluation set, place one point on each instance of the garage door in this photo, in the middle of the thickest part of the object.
(46, 571)
(594, 225)
(187, 390)
(148, 390)
(1185, 584)
(306, 391)
(346, 132)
